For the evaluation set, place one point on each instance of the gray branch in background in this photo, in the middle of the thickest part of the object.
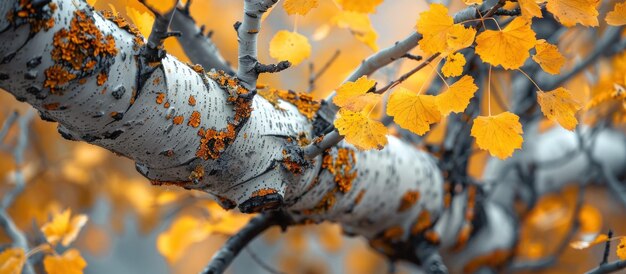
(6, 222)
(199, 47)
(608, 268)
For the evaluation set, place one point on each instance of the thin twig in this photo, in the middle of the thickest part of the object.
(315, 76)
(7, 125)
(608, 268)
(261, 263)
(257, 225)
(607, 248)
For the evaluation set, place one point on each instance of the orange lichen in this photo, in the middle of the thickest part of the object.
(463, 236)
(359, 197)
(422, 223)
(77, 51)
(156, 81)
(197, 174)
(304, 102)
(213, 142)
(182, 184)
(263, 192)
(341, 167)
(495, 259)
(57, 76)
(102, 78)
(178, 120)
(52, 106)
(302, 139)
(432, 237)
(192, 100)
(37, 17)
(160, 97)
(166, 105)
(194, 119)
(125, 25)
(408, 200)
(292, 166)
(197, 68)
(325, 204)
(393, 233)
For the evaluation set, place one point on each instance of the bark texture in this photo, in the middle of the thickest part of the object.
(88, 71)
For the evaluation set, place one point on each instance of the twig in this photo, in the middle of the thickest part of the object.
(227, 253)
(272, 68)
(261, 263)
(154, 51)
(15, 234)
(408, 74)
(607, 248)
(315, 76)
(7, 125)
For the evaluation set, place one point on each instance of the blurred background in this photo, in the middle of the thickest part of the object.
(134, 227)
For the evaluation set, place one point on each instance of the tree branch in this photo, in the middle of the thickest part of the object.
(608, 268)
(257, 225)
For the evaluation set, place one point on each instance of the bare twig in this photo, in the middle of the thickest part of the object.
(315, 76)
(154, 51)
(405, 76)
(4, 130)
(261, 263)
(608, 268)
(607, 248)
(257, 225)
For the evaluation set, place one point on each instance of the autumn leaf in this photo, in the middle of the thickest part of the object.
(290, 46)
(361, 131)
(617, 17)
(530, 8)
(559, 105)
(499, 134)
(454, 65)
(412, 111)
(440, 34)
(621, 249)
(508, 47)
(363, 6)
(590, 219)
(71, 262)
(570, 12)
(12, 260)
(457, 96)
(63, 228)
(473, 2)
(184, 231)
(548, 57)
(301, 7)
(349, 91)
(582, 244)
(360, 26)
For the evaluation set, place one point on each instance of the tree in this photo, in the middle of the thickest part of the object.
(280, 153)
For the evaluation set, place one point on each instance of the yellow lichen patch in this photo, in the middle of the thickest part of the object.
(494, 259)
(341, 167)
(38, 17)
(77, 51)
(178, 120)
(197, 174)
(422, 223)
(194, 119)
(213, 143)
(326, 203)
(182, 184)
(303, 140)
(263, 192)
(408, 200)
(293, 166)
(160, 97)
(191, 101)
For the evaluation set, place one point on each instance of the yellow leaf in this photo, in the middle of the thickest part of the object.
(363, 6)
(500, 134)
(472, 2)
(363, 102)
(369, 39)
(590, 219)
(92, 2)
(71, 262)
(62, 228)
(530, 8)
(361, 131)
(508, 47)
(585, 244)
(350, 90)
(433, 24)
(290, 46)
(459, 37)
(301, 7)
(548, 57)
(359, 24)
(621, 249)
(457, 97)
(559, 105)
(617, 17)
(440, 34)
(454, 65)
(570, 12)
(321, 32)
(183, 232)
(12, 260)
(143, 20)
(413, 112)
